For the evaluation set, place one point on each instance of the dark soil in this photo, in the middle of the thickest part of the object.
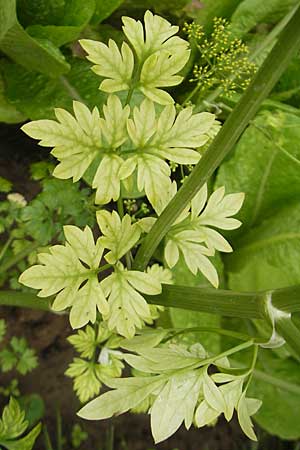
(47, 333)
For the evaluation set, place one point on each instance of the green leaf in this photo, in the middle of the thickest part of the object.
(75, 18)
(267, 257)
(60, 202)
(45, 93)
(252, 12)
(276, 384)
(104, 9)
(27, 442)
(8, 113)
(34, 408)
(41, 56)
(268, 175)
(27, 359)
(44, 12)
(61, 272)
(214, 8)
(2, 329)
(12, 423)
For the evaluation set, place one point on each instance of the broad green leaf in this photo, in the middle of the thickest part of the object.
(61, 272)
(44, 12)
(41, 56)
(128, 310)
(111, 63)
(175, 403)
(250, 13)
(104, 9)
(131, 392)
(44, 93)
(209, 9)
(277, 386)
(74, 19)
(34, 408)
(267, 257)
(119, 236)
(268, 175)
(8, 113)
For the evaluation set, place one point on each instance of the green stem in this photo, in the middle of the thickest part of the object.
(288, 330)
(251, 370)
(121, 212)
(103, 268)
(74, 94)
(263, 82)
(24, 300)
(6, 246)
(273, 34)
(214, 301)
(227, 353)
(248, 305)
(18, 257)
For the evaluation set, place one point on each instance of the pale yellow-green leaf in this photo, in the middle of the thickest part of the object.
(205, 414)
(61, 272)
(219, 208)
(111, 63)
(212, 394)
(128, 309)
(106, 180)
(76, 141)
(157, 36)
(160, 70)
(244, 418)
(119, 236)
